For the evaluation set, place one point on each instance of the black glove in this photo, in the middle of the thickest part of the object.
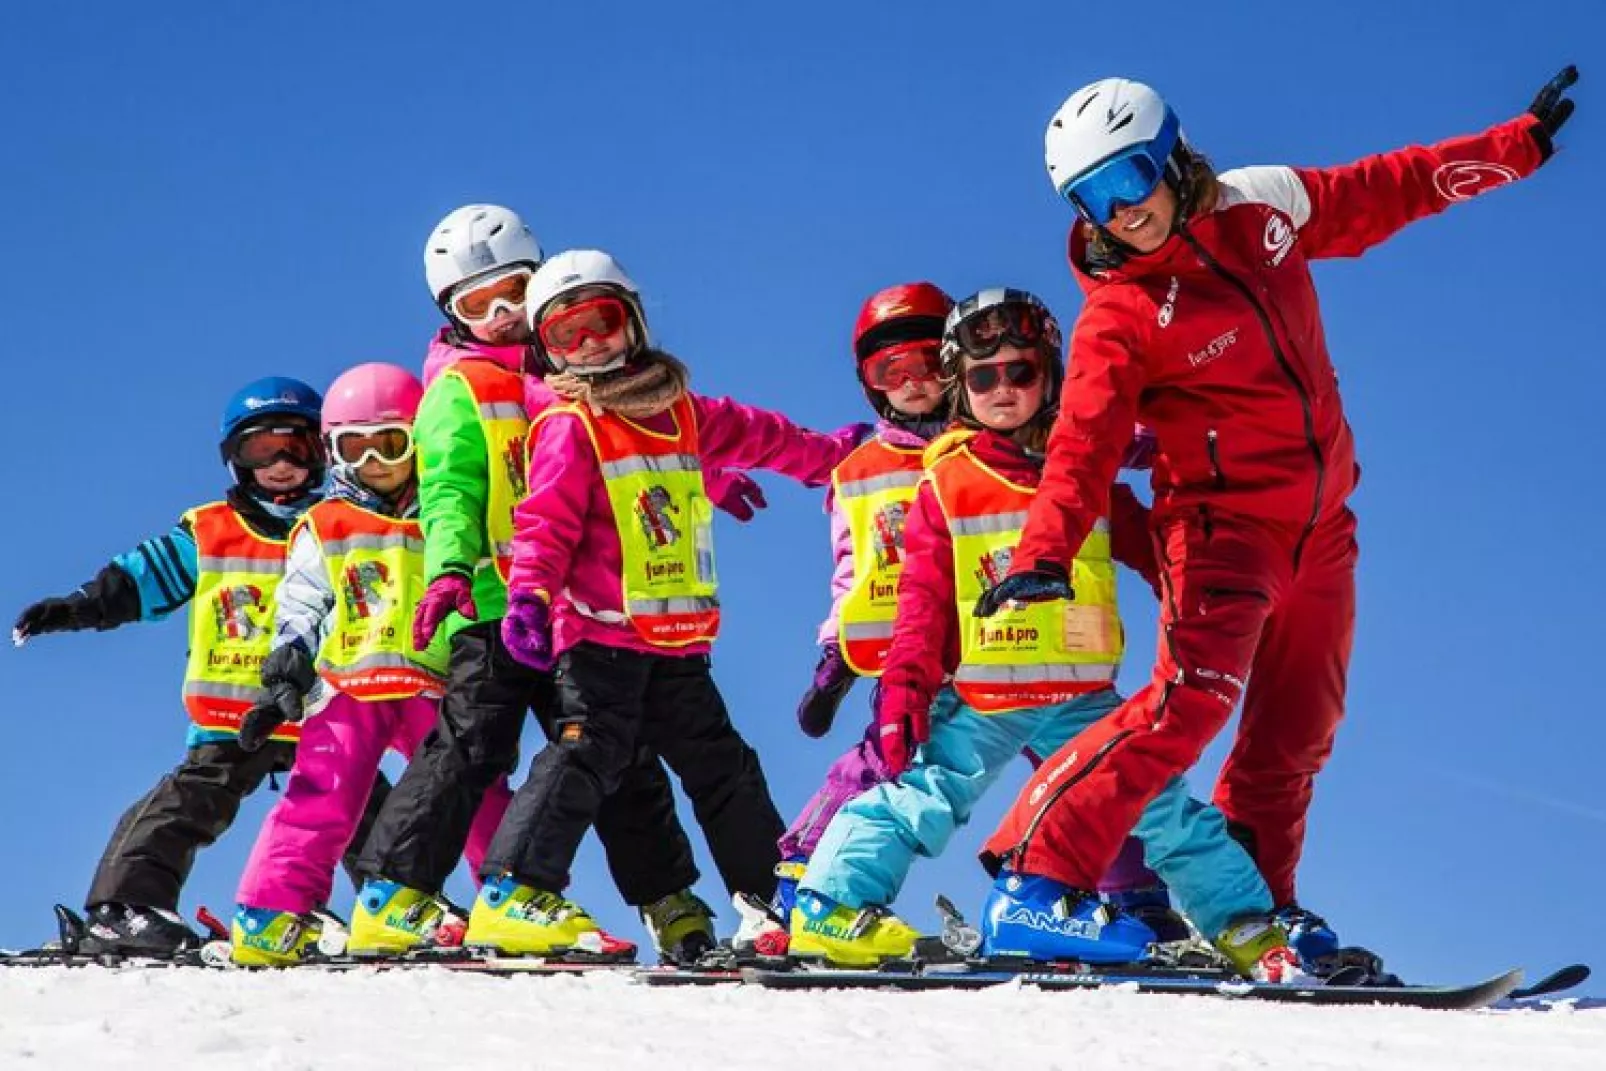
(287, 676)
(833, 677)
(1044, 582)
(71, 614)
(1552, 109)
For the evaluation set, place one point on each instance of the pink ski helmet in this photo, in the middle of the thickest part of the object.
(373, 393)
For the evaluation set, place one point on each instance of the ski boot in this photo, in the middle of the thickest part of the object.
(131, 930)
(788, 872)
(1256, 946)
(681, 927)
(512, 919)
(1322, 954)
(762, 932)
(844, 936)
(263, 937)
(1152, 907)
(392, 919)
(1042, 919)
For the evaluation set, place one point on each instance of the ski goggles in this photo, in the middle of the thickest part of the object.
(986, 378)
(909, 362)
(563, 332)
(354, 444)
(267, 444)
(1125, 179)
(485, 299)
(982, 334)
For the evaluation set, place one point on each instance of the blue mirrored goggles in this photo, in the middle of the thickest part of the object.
(1125, 179)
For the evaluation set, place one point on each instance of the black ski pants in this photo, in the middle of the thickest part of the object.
(423, 827)
(153, 847)
(612, 703)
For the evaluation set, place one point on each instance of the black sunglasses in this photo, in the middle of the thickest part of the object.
(985, 378)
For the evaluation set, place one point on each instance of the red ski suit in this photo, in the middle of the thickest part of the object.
(1215, 342)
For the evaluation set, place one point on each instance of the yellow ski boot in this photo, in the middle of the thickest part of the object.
(392, 919)
(262, 937)
(844, 936)
(681, 927)
(1257, 947)
(520, 920)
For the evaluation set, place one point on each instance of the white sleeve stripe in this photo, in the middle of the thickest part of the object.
(1278, 187)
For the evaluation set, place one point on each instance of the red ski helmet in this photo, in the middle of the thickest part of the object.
(908, 312)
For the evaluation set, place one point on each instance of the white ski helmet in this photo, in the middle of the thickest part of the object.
(583, 269)
(1111, 118)
(473, 240)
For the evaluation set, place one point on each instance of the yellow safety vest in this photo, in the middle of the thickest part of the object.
(1041, 653)
(499, 394)
(665, 522)
(874, 486)
(231, 618)
(376, 570)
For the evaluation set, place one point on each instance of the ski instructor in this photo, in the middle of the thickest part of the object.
(1201, 321)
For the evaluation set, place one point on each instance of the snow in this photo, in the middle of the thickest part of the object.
(287, 1021)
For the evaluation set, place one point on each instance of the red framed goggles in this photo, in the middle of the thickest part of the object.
(563, 332)
(1014, 322)
(484, 299)
(908, 362)
(261, 446)
(356, 443)
(986, 378)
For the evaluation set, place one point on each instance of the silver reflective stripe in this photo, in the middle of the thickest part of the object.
(241, 565)
(988, 524)
(679, 605)
(501, 411)
(220, 690)
(389, 541)
(607, 617)
(503, 550)
(625, 466)
(1038, 673)
(867, 630)
(890, 482)
(377, 660)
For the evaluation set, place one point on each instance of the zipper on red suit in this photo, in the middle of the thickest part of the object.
(1238, 284)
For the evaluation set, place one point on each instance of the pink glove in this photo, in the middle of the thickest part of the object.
(527, 631)
(903, 723)
(737, 493)
(447, 592)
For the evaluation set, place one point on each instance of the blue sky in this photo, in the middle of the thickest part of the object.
(198, 194)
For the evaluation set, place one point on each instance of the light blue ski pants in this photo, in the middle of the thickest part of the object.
(866, 852)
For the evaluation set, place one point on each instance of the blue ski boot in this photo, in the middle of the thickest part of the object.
(1322, 954)
(1152, 907)
(788, 872)
(1042, 919)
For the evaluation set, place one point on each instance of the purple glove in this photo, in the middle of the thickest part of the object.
(832, 679)
(527, 631)
(737, 493)
(447, 592)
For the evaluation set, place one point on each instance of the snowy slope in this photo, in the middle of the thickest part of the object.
(61, 1018)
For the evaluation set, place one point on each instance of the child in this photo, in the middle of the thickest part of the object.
(225, 560)
(470, 434)
(896, 339)
(355, 574)
(1034, 681)
(614, 582)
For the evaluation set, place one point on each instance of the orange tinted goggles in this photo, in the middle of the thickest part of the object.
(486, 298)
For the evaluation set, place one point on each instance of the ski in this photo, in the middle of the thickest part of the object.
(1451, 998)
(1558, 981)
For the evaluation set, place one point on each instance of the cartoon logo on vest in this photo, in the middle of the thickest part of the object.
(887, 534)
(993, 567)
(653, 508)
(513, 462)
(364, 589)
(240, 613)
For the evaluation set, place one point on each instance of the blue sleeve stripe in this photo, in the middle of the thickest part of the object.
(185, 579)
(154, 570)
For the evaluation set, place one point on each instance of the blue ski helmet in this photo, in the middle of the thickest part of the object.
(263, 401)
(271, 396)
